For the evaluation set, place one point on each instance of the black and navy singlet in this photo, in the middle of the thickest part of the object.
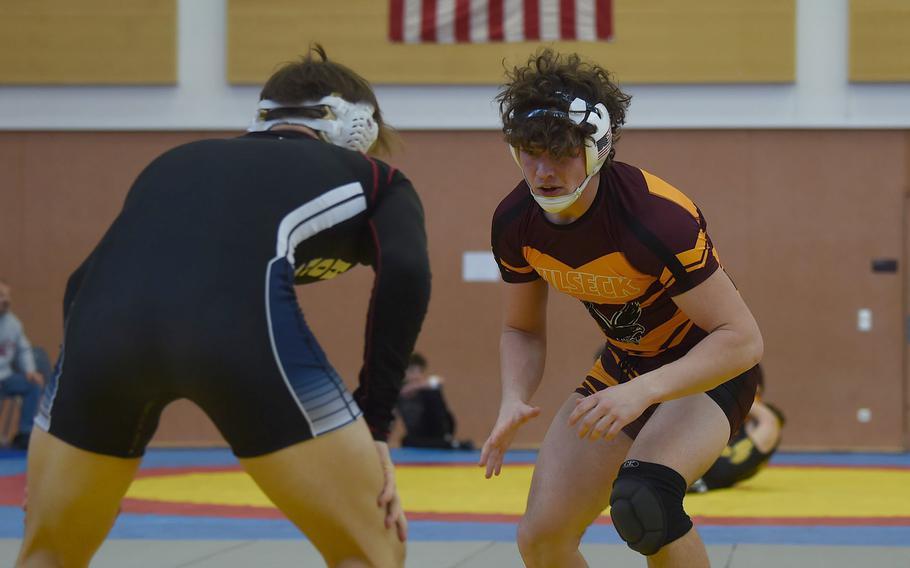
(190, 294)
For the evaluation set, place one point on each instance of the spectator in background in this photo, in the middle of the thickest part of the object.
(427, 419)
(18, 374)
(750, 450)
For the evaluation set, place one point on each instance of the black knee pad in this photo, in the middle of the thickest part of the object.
(646, 506)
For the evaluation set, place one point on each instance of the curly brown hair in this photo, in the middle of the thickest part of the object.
(543, 83)
(314, 76)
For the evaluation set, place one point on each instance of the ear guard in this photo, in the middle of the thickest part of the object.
(349, 125)
(597, 145)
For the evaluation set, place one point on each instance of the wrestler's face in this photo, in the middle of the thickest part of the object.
(549, 176)
(4, 298)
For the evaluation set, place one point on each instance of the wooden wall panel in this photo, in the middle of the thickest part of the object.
(879, 40)
(655, 41)
(106, 42)
(906, 306)
(796, 234)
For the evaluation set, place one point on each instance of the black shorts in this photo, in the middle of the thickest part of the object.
(254, 368)
(734, 397)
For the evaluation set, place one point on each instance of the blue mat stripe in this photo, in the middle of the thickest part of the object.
(179, 527)
(857, 459)
(13, 462)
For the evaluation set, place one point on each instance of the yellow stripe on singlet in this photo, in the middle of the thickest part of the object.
(522, 270)
(610, 278)
(697, 256)
(599, 373)
(663, 189)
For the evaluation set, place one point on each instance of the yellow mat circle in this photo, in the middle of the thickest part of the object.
(775, 492)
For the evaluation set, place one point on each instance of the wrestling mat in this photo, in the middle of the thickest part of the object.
(799, 499)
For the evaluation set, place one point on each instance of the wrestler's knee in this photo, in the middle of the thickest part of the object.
(545, 541)
(647, 506)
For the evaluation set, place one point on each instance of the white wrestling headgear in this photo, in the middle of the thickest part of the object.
(349, 125)
(597, 145)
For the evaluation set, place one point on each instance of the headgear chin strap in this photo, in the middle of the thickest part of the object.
(597, 145)
(349, 125)
(561, 202)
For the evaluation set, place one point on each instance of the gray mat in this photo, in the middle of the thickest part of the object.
(477, 554)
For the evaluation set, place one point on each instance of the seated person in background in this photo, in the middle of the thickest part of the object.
(749, 450)
(18, 374)
(427, 419)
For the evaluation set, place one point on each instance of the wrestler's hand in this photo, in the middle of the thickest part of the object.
(511, 416)
(604, 413)
(388, 499)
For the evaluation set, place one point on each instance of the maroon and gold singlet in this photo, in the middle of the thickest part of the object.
(640, 243)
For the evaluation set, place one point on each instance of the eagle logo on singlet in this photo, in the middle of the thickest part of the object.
(623, 324)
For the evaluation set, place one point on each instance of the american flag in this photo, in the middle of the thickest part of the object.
(481, 21)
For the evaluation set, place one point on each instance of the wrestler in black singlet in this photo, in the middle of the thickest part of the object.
(190, 294)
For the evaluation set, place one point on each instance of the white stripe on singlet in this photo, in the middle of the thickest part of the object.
(329, 209)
